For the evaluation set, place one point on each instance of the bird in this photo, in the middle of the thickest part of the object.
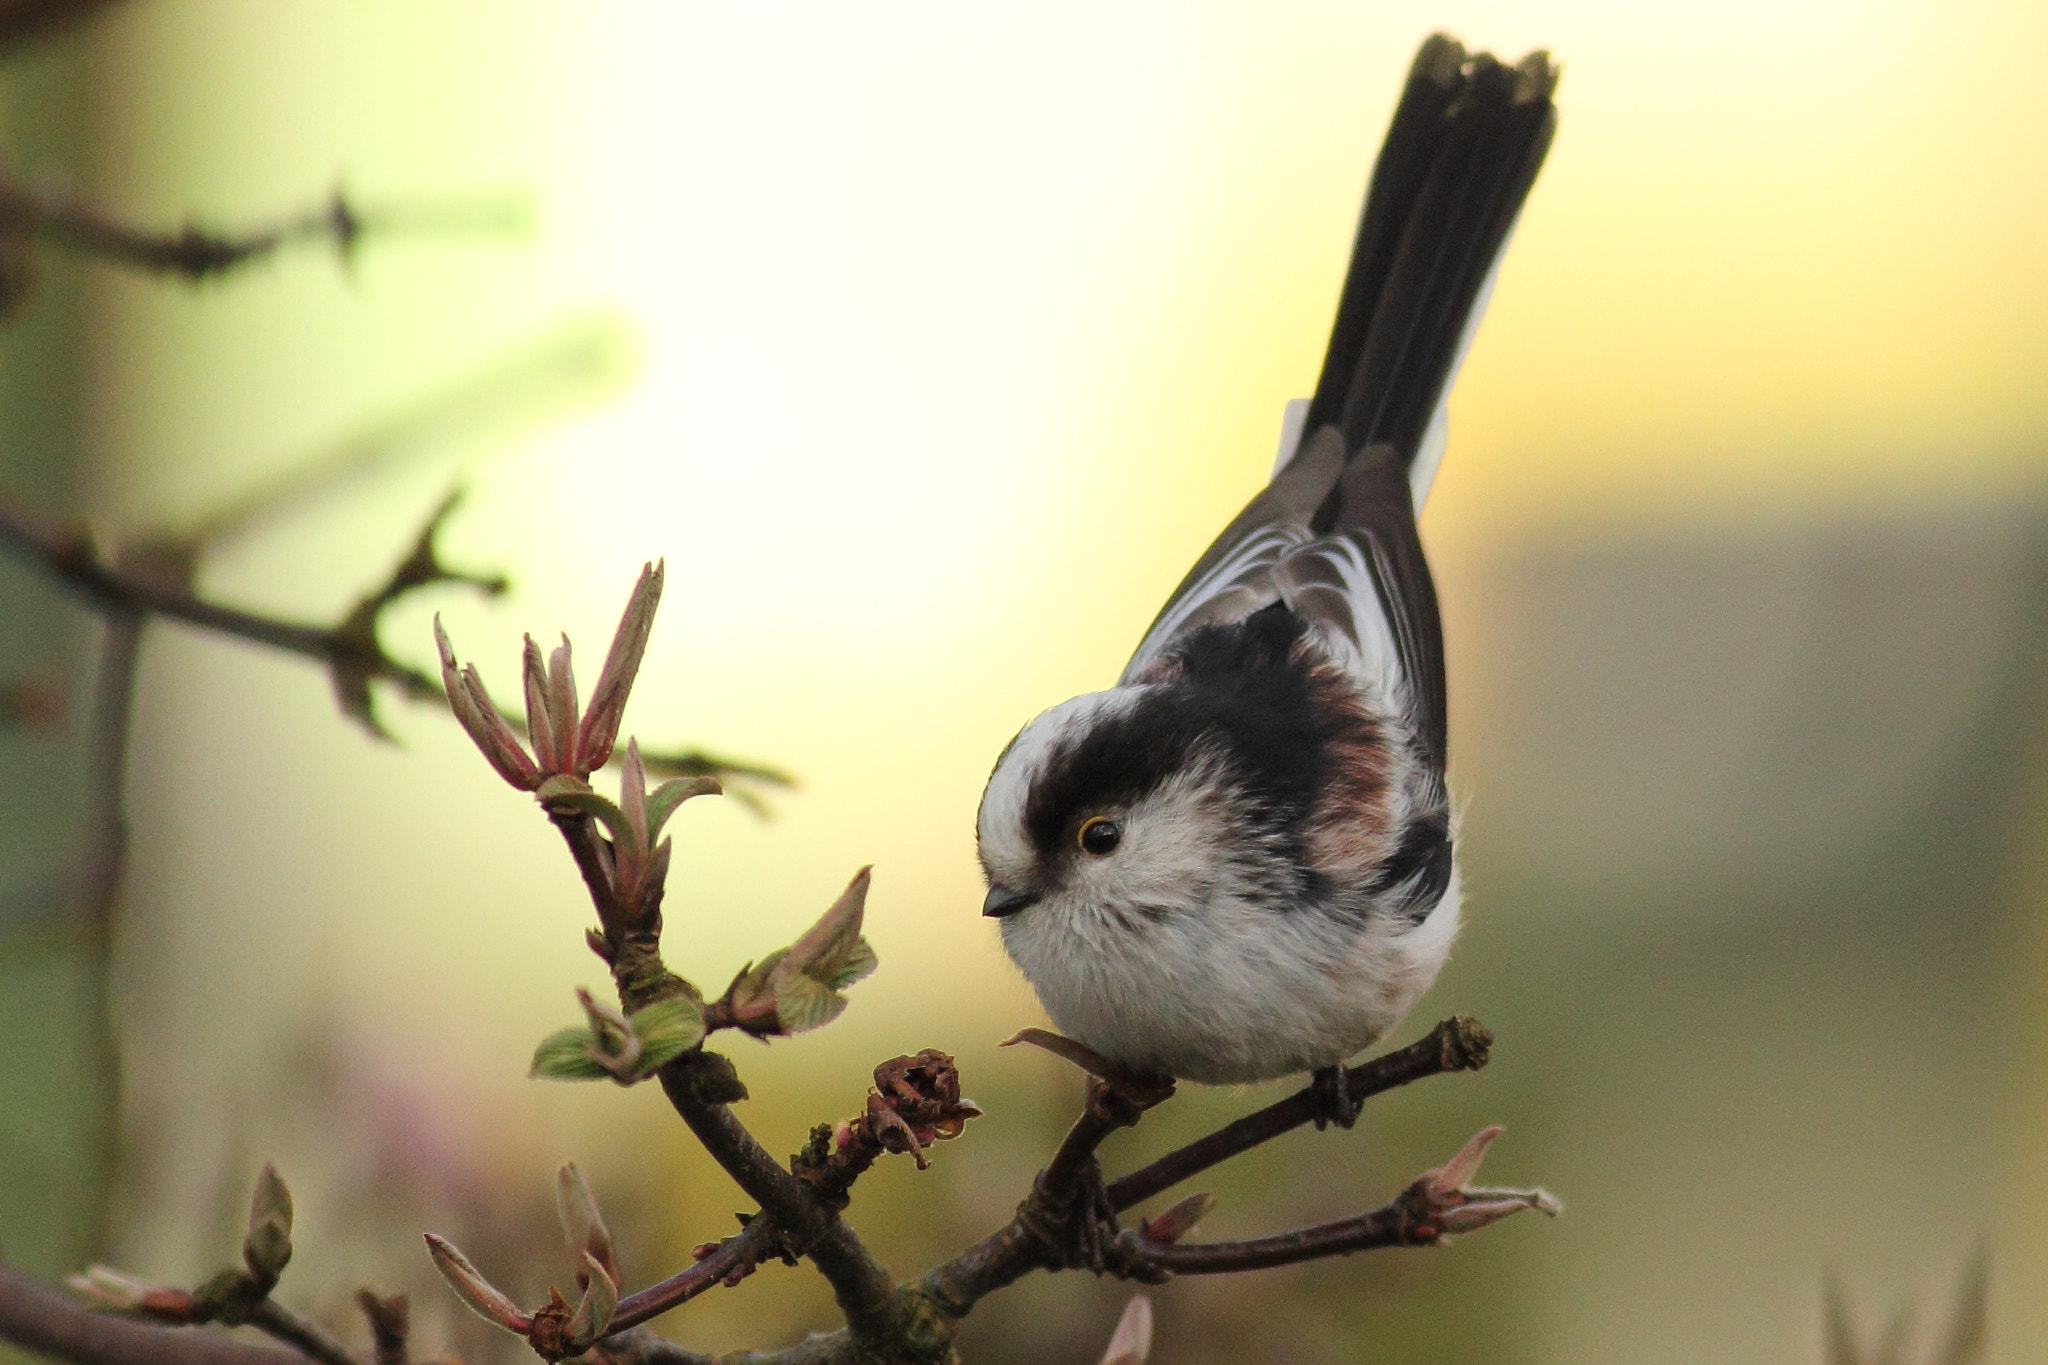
(1238, 862)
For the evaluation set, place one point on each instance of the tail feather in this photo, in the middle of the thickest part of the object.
(1463, 151)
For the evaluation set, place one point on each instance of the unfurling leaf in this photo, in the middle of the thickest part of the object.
(479, 718)
(600, 1301)
(118, 1292)
(625, 1049)
(485, 1299)
(583, 1224)
(803, 1003)
(827, 944)
(267, 1247)
(1179, 1220)
(858, 964)
(667, 1029)
(664, 800)
(621, 663)
(570, 1055)
(1132, 1342)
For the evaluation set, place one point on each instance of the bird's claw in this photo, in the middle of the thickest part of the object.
(1079, 1230)
(1139, 1089)
(1334, 1101)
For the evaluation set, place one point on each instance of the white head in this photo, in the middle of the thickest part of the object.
(1102, 812)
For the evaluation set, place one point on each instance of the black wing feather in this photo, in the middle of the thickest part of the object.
(1466, 141)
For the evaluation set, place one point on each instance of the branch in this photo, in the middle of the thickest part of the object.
(702, 1085)
(309, 1339)
(40, 1318)
(72, 561)
(1459, 1044)
(350, 651)
(695, 1084)
(1439, 1205)
(21, 20)
(190, 253)
(732, 1260)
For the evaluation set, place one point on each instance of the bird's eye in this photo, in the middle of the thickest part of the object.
(1099, 835)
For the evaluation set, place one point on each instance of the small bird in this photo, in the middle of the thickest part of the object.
(1237, 863)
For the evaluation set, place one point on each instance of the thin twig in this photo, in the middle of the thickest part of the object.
(308, 1338)
(189, 253)
(1459, 1044)
(1392, 1225)
(72, 561)
(390, 1319)
(741, 1255)
(347, 655)
(102, 860)
(696, 1084)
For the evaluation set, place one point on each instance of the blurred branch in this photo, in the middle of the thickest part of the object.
(73, 561)
(39, 1318)
(22, 20)
(30, 219)
(350, 650)
(102, 859)
(1963, 1344)
(191, 253)
(309, 1339)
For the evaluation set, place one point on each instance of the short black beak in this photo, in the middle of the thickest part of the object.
(1003, 901)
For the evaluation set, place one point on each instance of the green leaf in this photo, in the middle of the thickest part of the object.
(803, 1003)
(570, 1055)
(859, 963)
(663, 800)
(667, 1029)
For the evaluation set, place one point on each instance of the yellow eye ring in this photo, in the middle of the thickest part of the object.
(1099, 835)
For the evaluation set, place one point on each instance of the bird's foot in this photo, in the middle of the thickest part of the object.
(1077, 1225)
(1334, 1101)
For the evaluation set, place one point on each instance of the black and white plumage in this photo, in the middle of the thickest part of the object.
(1237, 863)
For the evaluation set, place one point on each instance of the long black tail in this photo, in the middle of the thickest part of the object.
(1465, 145)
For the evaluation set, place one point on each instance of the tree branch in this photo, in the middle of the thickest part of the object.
(190, 253)
(350, 651)
(1391, 1225)
(734, 1258)
(860, 1283)
(39, 1318)
(1459, 1044)
(308, 1338)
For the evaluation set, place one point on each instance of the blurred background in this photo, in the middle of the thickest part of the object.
(930, 344)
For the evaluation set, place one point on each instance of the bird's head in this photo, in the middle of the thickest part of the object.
(1108, 811)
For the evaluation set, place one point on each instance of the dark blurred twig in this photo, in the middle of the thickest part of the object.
(43, 1319)
(22, 20)
(190, 253)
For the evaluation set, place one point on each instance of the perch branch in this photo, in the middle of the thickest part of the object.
(1459, 1044)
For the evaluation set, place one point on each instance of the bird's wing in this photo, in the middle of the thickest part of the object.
(1333, 534)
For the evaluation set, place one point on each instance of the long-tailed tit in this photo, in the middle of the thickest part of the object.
(1237, 863)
